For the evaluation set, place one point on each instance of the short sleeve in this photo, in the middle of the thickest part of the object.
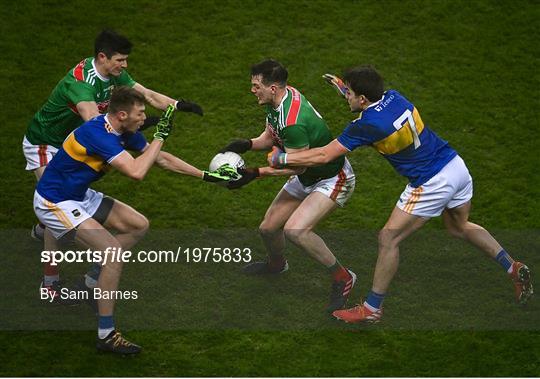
(80, 91)
(295, 137)
(354, 136)
(107, 147)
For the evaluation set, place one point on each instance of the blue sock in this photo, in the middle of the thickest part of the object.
(105, 326)
(92, 275)
(374, 300)
(504, 260)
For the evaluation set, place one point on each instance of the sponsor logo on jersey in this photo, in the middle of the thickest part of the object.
(384, 103)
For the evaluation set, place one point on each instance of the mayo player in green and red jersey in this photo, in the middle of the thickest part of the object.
(310, 194)
(81, 95)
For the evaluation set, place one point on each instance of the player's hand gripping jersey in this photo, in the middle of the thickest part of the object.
(393, 126)
(84, 157)
(58, 117)
(296, 124)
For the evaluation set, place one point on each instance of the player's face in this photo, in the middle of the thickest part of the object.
(354, 100)
(135, 118)
(265, 94)
(116, 64)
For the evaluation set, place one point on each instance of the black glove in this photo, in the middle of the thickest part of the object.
(248, 175)
(239, 146)
(188, 106)
(148, 122)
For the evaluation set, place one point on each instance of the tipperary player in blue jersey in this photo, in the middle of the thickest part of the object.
(439, 181)
(65, 204)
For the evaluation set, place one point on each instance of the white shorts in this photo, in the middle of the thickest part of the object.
(37, 155)
(338, 188)
(450, 188)
(64, 216)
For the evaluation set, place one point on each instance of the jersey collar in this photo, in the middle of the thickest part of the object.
(104, 79)
(377, 102)
(371, 105)
(110, 129)
(283, 100)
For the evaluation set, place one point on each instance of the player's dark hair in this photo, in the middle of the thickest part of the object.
(123, 98)
(365, 80)
(109, 43)
(271, 71)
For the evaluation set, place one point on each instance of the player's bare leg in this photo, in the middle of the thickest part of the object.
(130, 224)
(299, 230)
(271, 231)
(457, 223)
(399, 226)
(300, 225)
(38, 172)
(51, 279)
(91, 233)
(38, 230)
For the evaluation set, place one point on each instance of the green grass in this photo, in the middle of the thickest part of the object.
(471, 68)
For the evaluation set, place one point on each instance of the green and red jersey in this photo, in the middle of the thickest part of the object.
(296, 124)
(59, 116)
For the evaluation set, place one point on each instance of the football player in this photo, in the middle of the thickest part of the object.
(83, 94)
(310, 194)
(439, 181)
(65, 204)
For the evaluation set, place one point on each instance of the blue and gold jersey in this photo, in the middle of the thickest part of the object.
(393, 126)
(83, 158)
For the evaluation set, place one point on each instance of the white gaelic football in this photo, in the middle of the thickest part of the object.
(233, 159)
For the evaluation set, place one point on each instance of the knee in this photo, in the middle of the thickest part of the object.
(296, 234)
(266, 229)
(140, 226)
(387, 239)
(455, 230)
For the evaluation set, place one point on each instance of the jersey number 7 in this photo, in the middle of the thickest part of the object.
(406, 119)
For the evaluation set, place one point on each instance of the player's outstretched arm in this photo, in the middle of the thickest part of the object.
(160, 101)
(252, 173)
(312, 157)
(170, 162)
(248, 175)
(173, 163)
(137, 168)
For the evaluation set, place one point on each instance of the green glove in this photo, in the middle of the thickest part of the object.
(164, 126)
(224, 173)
